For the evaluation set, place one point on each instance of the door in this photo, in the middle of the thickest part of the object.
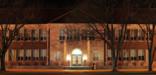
(76, 60)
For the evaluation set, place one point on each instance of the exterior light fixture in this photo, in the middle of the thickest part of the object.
(68, 58)
(85, 57)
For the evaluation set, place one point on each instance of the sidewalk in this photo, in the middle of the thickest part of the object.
(66, 70)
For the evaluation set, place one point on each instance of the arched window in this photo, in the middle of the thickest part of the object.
(76, 51)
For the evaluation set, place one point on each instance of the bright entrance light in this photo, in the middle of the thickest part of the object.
(68, 58)
(76, 51)
(84, 57)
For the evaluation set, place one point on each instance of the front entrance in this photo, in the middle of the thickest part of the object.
(76, 58)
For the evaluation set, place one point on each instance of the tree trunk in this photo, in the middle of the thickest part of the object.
(150, 60)
(114, 65)
(2, 68)
(114, 62)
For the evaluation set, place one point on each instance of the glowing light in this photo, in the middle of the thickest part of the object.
(76, 51)
(68, 58)
(85, 57)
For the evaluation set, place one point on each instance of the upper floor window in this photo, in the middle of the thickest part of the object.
(135, 34)
(43, 34)
(69, 34)
(27, 34)
(35, 34)
(62, 34)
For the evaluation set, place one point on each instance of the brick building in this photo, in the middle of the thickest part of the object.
(61, 45)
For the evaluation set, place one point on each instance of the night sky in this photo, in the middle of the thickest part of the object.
(38, 3)
(103, 10)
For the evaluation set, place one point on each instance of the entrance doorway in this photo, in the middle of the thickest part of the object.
(76, 58)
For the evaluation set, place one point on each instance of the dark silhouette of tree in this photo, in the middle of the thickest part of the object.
(8, 34)
(149, 31)
(108, 35)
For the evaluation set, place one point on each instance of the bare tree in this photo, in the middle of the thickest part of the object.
(8, 34)
(108, 36)
(149, 31)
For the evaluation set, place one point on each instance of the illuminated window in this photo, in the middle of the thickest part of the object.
(141, 54)
(135, 34)
(133, 54)
(43, 54)
(27, 34)
(125, 54)
(58, 56)
(28, 54)
(43, 35)
(76, 51)
(95, 56)
(20, 54)
(62, 35)
(21, 34)
(36, 54)
(109, 54)
(35, 34)
(12, 54)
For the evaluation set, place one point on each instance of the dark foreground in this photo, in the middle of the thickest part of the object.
(78, 73)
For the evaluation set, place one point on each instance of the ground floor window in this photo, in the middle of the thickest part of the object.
(125, 54)
(129, 54)
(95, 55)
(141, 54)
(28, 56)
(133, 54)
(109, 54)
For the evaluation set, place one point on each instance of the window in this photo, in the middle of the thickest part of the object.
(109, 54)
(91, 35)
(141, 54)
(58, 56)
(21, 34)
(84, 35)
(28, 54)
(133, 54)
(125, 54)
(128, 35)
(132, 34)
(20, 54)
(142, 36)
(135, 34)
(77, 34)
(12, 54)
(43, 54)
(43, 35)
(26, 34)
(35, 34)
(35, 54)
(62, 35)
(95, 56)
(69, 34)
(117, 34)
